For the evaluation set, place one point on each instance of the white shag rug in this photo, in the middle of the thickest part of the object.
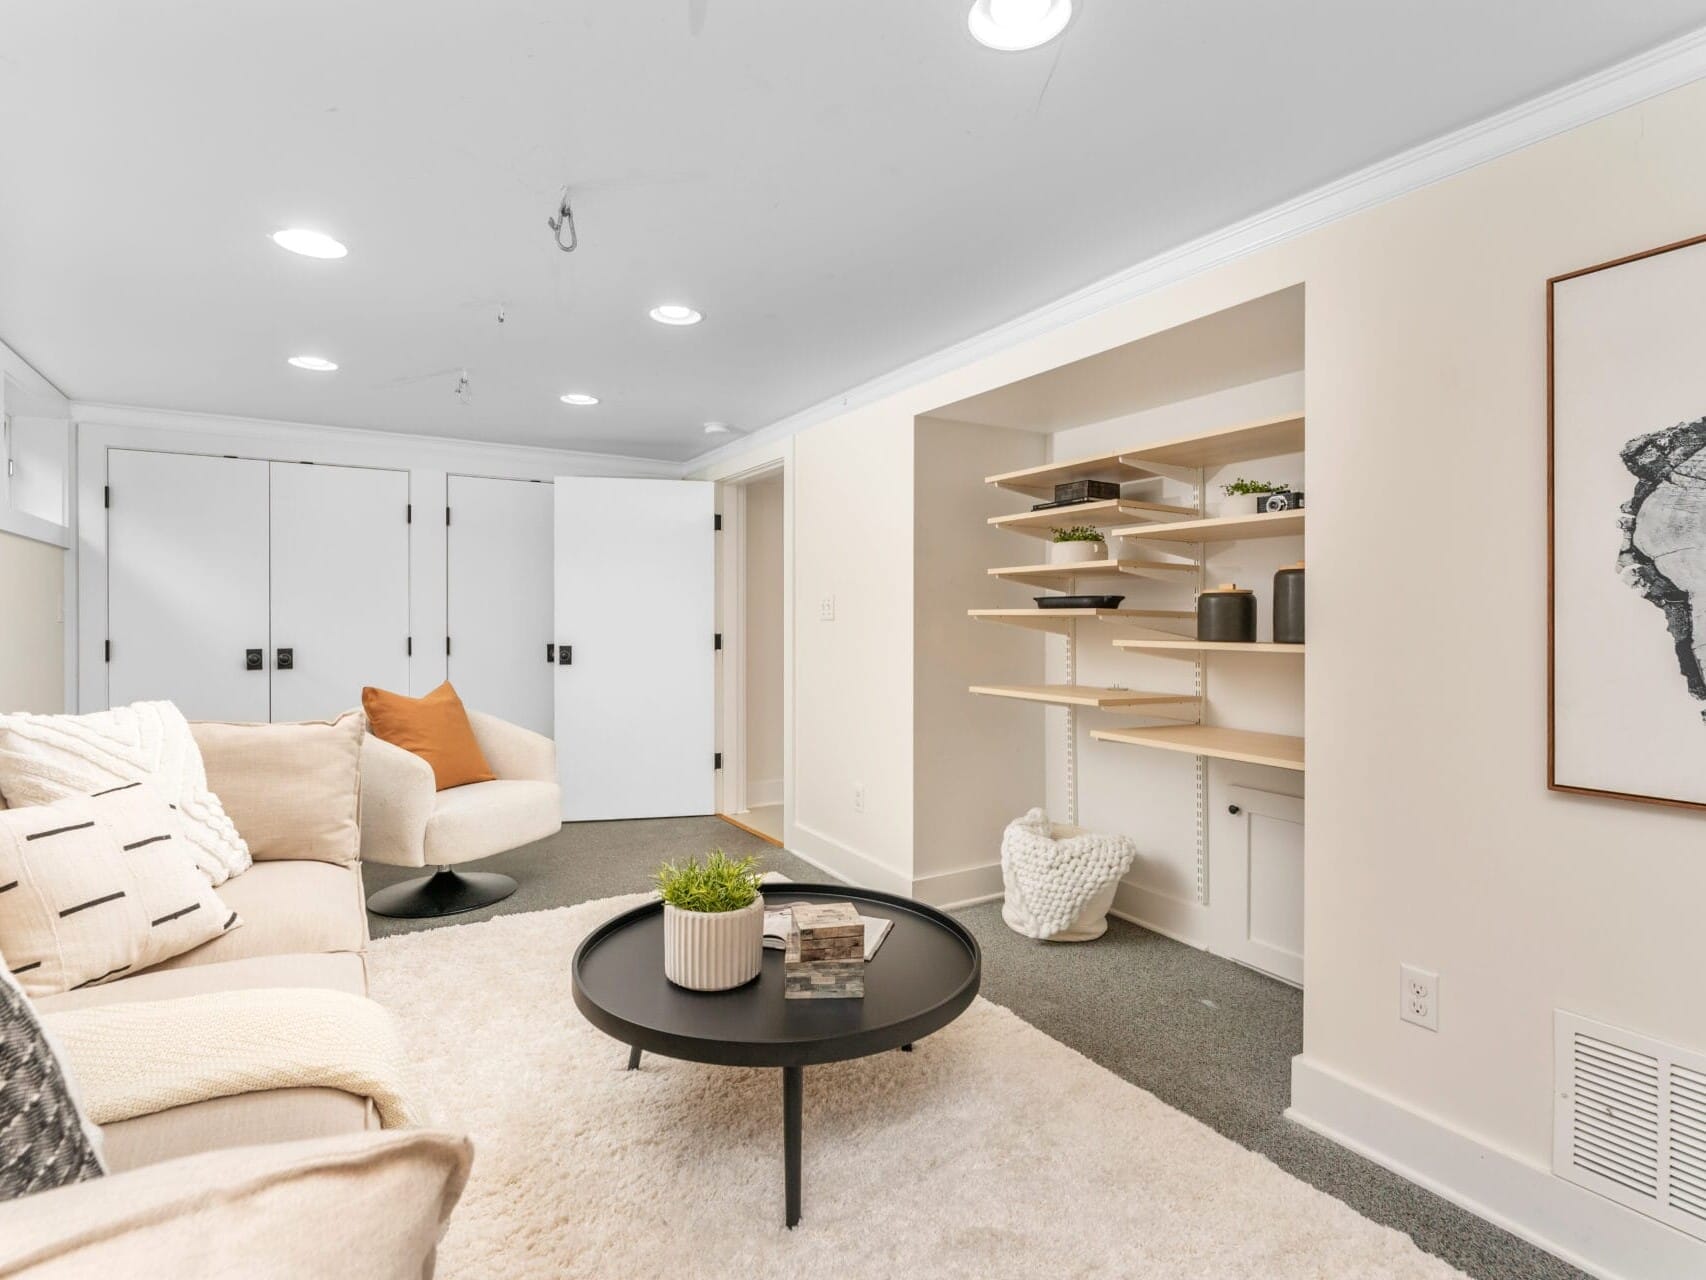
(990, 1151)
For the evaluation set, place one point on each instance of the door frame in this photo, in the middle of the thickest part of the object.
(731, 621)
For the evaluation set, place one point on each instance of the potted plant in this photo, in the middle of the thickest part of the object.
(713, 921)
(1241, 495)
(1078, 544)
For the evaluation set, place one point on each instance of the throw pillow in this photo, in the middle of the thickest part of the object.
(44, 1140)
(292, 789)
(48, 758)
(435, 728)
(95, 887)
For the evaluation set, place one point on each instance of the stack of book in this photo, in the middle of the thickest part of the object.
(825, 957)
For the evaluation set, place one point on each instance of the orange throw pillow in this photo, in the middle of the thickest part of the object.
(435, 728)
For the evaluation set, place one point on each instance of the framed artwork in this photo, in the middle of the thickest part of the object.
(1626, 537)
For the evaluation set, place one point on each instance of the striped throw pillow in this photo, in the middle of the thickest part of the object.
(45, 1140)
(96, 887)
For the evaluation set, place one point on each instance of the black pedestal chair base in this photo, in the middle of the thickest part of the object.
(444, 893)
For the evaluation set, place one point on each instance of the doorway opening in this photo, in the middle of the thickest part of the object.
(753, 678)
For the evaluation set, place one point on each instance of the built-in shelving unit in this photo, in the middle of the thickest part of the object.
(1061, 621)
(1060, 576)
(1156, 644)
(1267, 524)
(1079, 695)
(1097, 515)
(1276, 749)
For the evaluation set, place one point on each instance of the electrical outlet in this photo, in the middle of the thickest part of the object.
(1418, 996)
(858, 797)
(826, 609)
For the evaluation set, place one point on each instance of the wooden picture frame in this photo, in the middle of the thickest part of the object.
(1575, 782)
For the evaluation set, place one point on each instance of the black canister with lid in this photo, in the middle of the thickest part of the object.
(1288, 604)
(1227, 614)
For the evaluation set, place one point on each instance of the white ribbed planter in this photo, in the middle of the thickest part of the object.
(713, 950)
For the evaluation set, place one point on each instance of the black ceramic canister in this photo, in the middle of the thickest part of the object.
(1227, 614)
(1288, 604)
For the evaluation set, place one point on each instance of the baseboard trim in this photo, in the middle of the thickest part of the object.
(841, 861)
(1588, 1231)
(1174, 918)
(963, 888)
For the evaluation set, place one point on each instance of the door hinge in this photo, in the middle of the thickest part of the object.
(107, 651)
(717, 760)
(551, 655)
(717, 523)
(717, 643)
(409, 646)
(106, 495)
(447, 515)
(447, 646)
(408, 513)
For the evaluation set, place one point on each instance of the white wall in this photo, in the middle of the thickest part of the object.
(762, 636)
(32, 638)
(428, 461)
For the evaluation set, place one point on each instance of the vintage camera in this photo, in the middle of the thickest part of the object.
(1287, 500)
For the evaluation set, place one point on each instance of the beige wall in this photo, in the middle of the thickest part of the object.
(1431, 835)
(32, 633)
(762, 634)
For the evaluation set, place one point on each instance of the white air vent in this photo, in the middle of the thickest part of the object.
(1629, 1120)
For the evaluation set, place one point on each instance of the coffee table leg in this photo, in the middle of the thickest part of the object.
(793, 1094)
(633, 1057)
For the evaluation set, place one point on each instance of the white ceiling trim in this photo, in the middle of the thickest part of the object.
(1659, 70)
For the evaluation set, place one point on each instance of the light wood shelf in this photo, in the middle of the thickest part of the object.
(1080, 695)
(1275, 749)
(1098, 515)
(1265, 524)
(1062, 620)
(1267, 438)
(1053, 575)
(1207, 646)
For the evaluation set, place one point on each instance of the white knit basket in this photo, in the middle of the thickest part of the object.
(713, 950)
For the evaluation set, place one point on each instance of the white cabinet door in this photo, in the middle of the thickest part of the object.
(498, 598)
(340, 587)
(187, 583)
(636, 604)
(1256, 884)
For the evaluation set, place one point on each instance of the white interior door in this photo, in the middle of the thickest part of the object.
(187, 583)
(1256, 884)
(498, 598)
(636, 607)
(340, 587)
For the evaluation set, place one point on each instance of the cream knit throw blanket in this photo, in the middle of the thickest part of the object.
(134, 1059)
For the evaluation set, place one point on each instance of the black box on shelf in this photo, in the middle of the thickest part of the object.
(1086, 491)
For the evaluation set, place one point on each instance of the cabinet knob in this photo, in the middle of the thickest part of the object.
(286, 659)
(252, 660)
(1233, 809)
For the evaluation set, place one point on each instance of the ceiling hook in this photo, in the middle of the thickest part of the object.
(565, 218)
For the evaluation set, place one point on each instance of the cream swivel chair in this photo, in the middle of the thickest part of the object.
(407, 822)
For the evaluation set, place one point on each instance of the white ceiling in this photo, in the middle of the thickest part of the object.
(842, 186)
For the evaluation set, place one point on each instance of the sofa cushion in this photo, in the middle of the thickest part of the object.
(275, 1115)
(45, 1142)
(435, 728)
(369, 1205)
(47, 758)
(292, 789)
(288, 907)
(95, 887)
(490, 817)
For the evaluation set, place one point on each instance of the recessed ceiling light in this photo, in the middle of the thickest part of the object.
(1012, 25)
(316, 364)
(716, 428)
(675, 313)
(310, 244)
(578, 398)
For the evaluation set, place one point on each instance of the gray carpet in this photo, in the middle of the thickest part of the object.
(1203, 1034)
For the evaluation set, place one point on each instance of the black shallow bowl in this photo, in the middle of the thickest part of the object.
(1078, 602)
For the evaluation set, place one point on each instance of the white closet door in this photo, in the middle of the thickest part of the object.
(340, 587)
(1256, 884)
(636, 606)
(498, 598)
(187, 583)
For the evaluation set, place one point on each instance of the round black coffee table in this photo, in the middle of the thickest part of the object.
(922, 978)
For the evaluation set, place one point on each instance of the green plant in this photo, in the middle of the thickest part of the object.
(720, 883)
(1241, 485)
(1078, 533)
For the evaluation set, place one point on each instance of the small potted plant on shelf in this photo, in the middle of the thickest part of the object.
(1078, 544)
(713, 921)
(1243, 496)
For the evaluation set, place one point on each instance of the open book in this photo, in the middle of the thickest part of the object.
(778, 920)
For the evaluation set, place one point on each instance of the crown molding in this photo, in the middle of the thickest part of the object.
(1659, 70)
